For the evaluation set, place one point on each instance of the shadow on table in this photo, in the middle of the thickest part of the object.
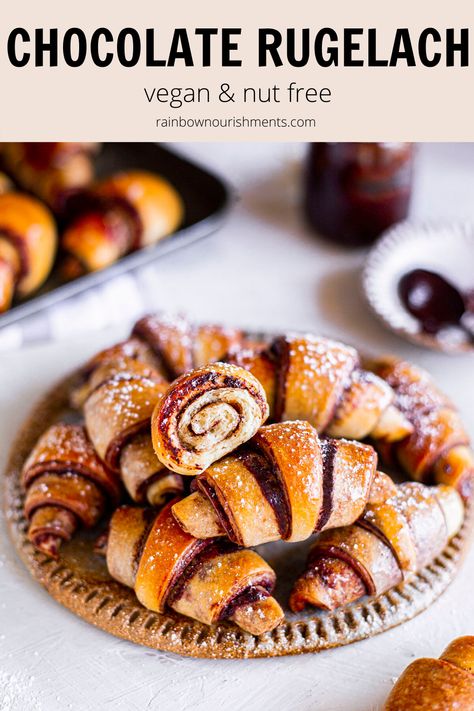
(341, 301)
(277, 199)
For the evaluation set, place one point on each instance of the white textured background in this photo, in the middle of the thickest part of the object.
(263, 270)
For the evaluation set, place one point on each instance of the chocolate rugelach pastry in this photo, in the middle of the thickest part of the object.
(205, 414)
(345, 485)
(392, 539)
(180, 346)
(54, 172)
(121, 395)
(438, 448)
(169, 344)
(123, 213)
(285, 484)
(124, 354)
(322, 382)
(66, 486)
(445, 684)
(195, 420)
(117, 380)
(209, 581)
(28, 243)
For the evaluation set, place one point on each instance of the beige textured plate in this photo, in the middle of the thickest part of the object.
(80, 582)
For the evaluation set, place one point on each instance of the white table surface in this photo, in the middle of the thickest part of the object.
(262, 270)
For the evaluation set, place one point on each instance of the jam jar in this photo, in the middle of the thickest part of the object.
(355, 191)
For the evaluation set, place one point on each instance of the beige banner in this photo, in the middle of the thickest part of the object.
(180, 102)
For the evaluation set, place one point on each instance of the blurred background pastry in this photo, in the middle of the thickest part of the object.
(127, 211)
(52, 171)
(28, 241)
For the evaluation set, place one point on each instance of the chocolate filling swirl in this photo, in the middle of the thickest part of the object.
(271, 487)
(279, 351)
(206, 550)
(205, 486)
(258, 590)
(330, 551)
(328, 452)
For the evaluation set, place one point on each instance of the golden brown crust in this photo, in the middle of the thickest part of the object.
(155, 201)
(354, 465)
(361, 408)
(460, 652)
(179, 346)
(294, 482)
(171, 340)
(394, 526)
(219, 581)
(204, 415)
(211, 343)
(382, 488)
(328, 584)
(79, 582)
(66, 448)
(438, 446)
(117, 410)
(456, 468)
(327, 363)
(161, 559)
(207, 581)
(116, 359)
(114, 389)
(144, 477)
(321, 381)
(127, 211)
(237, 494)
(366, 553)
(294, 452)
(392, 540)
(262, 365)
(28, 242)
(66, 485)
(123, 542)
(96, 240)
(446, 683)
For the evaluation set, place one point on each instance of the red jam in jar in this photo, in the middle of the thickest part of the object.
(355, 191)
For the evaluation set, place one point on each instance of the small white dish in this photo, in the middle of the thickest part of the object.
(446, 248)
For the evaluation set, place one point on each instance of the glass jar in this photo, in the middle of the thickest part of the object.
(354, 191)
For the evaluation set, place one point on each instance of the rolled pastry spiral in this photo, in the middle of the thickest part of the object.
(66, 486)
(392, 540)
(155, 350)
(209, 581)
(285, 484)
(120, 396)
(321, 381)
(438, 447)
(28, 243)
(128, 211)
(205, 414)
(51, 171)
(445, 684)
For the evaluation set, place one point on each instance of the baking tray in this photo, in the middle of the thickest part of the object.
(206, 198)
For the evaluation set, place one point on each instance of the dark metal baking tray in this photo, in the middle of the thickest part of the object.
(206, 197)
